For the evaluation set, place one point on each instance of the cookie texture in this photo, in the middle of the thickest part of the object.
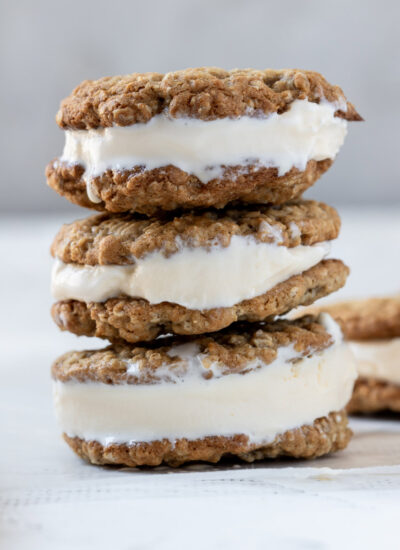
(119, 239)
(136, 320)
(169, 188)
(206, 93)
(325, 435)
(234, 350)
(369, 319)
(371, 395)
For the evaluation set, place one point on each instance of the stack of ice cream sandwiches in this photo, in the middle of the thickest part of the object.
(203, 243)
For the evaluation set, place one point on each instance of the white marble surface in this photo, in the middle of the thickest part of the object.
(49, 499)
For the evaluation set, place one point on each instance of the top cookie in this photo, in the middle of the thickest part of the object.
(206, 93)
(368, 319)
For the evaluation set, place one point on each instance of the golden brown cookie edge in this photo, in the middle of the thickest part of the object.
(206, 93)
(326, 434)
(168, 188)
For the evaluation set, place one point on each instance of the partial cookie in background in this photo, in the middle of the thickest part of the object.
(368, 319)
(372, 395)
(176, 400)
(127, 277)
(197, 138)
(372, 328)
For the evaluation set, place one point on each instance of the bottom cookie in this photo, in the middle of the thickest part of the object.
(371, 395)
(327, 434)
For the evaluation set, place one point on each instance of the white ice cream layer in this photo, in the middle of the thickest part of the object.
(307, 131)
(265, 402)
(378, 359)
(195, 278)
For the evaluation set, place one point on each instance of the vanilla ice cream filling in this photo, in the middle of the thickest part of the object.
(378, 359)
(266, 401)
(196, 278)
(306, 131)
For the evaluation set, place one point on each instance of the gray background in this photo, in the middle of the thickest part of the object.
(48, 47)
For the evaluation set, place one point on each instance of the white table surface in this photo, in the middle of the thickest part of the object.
(50, 499)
